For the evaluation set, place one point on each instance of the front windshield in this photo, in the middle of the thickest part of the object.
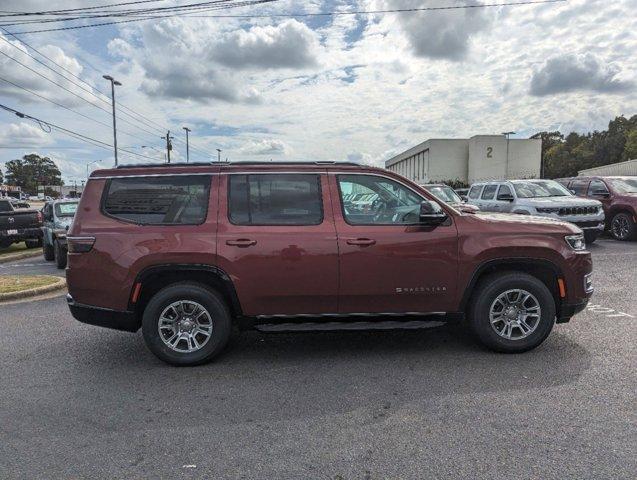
(444, 193)
(65, 209)
(624, 185)
(540, 188)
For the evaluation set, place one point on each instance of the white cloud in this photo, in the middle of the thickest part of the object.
(265, 147)
(567, 73)
(23, 134)
(290, 44)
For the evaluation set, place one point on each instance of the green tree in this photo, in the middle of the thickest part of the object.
(1, 177)
(31, 171)
(630, 149)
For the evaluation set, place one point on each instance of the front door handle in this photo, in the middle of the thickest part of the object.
(361, 242)
(241, 242)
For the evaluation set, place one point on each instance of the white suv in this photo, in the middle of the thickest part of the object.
(545, 198)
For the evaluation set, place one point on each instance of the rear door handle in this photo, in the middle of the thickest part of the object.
(361, 242)
(241, 242)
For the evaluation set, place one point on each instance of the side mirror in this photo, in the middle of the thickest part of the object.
(431, 213)
(506, 197)
(572, 191)
(601, 193)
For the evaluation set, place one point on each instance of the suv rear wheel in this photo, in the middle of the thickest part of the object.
(186, 324)
(512, 312)
(622, 227)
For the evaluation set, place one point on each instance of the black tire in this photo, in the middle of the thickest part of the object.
(59, 253)
(194, 292)
(47, 251)
(33, 243)
(590, 236)
(622, 227)
(5, 244)
(485, 295)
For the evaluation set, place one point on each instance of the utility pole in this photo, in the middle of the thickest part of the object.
(187, 149)
(113, 83)
(506, 134)
(218, 154)
(169, 144)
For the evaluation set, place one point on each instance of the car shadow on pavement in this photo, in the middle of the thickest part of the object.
(266, 376)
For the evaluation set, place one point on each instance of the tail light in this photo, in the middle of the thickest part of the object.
(80, 244)
(40, 217)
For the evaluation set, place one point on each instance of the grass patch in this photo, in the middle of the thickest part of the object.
(17, 283)
(15, 248)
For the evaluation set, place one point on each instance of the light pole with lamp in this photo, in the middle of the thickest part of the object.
(113, 83)
(218, 155)
(506, 134)
(187, 147)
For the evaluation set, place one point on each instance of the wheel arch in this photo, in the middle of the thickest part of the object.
(153, 279)
(542, 269)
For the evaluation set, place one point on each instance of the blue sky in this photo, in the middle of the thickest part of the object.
(320, 88)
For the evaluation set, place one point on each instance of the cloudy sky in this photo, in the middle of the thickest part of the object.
(353, 87)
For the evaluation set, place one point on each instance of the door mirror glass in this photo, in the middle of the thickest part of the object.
(431, 213)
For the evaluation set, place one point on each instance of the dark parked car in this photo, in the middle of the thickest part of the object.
(619, 200)
(186, 252)
(58, 216)
(19, 225)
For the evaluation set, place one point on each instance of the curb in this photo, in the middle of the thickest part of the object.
(33, 292)
(21, 255)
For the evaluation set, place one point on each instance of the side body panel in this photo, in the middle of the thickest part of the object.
(409, 268)
(104, 277)
(289, 269)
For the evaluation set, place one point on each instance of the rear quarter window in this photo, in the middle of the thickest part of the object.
(176, 200)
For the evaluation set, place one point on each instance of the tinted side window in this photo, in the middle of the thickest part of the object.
(579, 186)
(489, 192)
(474, 193)
(169, 200)
(275, 199)
(504, 191)
(596, 185)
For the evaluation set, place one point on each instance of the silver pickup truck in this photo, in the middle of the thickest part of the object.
(544, 198)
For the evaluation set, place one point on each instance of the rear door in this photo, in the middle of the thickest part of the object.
(277, 241)
(487, 199)
(389, 263)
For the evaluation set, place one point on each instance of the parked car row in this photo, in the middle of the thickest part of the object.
(594, 204)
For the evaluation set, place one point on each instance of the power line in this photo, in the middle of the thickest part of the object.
(79, 136)
(81, 8)
(287, 15)
(143, 120)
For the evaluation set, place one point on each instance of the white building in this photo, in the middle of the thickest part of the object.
(482, 157)
(621, 169)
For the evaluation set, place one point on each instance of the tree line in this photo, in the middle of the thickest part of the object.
(31, 171)
(565, 155)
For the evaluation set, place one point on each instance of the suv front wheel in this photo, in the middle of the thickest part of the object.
(186, 324)
(512, 312)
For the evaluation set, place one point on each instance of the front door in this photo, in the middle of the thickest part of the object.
(389, 263)
(277, 241)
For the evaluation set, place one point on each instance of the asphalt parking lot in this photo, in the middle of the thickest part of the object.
(84, 402)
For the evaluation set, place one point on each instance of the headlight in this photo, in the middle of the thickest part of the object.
(576, 242)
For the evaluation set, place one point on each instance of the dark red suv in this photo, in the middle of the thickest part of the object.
(619, 199)
(186, 252)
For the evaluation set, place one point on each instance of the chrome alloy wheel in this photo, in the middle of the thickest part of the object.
(515, 314)
(185, 326)
(620, 226)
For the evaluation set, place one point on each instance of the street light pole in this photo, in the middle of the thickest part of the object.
(506, 134)
(113, 83)
(187, 148)
(218, 154)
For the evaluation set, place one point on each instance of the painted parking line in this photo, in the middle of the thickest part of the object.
(14, 265)
(608, 312)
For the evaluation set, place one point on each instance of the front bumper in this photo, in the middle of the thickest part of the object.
(568, 310)
(103, 317)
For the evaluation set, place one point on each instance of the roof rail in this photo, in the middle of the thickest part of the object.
(206, 164)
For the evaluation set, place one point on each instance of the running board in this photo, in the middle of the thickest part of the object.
(344, 326)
